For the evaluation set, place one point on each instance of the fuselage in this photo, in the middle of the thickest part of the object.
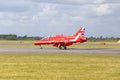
(66, 40)
(63, 41)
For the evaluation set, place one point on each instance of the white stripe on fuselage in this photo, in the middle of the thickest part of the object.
(76, 37)
(82, 31)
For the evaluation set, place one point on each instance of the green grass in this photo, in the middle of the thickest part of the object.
(26, 66)
(59, 67)
(29, 44)
(96, 45)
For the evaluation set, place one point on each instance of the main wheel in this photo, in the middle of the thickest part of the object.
(65, 47)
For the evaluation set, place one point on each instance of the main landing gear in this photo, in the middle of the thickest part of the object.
(62, 47)
(65, 47)
(59, 46)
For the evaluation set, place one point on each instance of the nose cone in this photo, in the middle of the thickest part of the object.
(37, 43)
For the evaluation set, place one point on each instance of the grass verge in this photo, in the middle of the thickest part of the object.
(59, 67)
(29, 44)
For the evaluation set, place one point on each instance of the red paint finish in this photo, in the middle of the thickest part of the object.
(63, 41)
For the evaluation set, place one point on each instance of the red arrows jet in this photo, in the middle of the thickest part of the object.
(62, 41)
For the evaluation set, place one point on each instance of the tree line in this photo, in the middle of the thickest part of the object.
(15, 37)
(101, 38)
(25, 37)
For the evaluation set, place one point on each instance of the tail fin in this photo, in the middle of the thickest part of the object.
(81, 30)
(79, 33)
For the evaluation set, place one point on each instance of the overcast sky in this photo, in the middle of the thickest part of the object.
(50, 17)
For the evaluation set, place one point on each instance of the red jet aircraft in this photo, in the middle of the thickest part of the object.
(62, 41)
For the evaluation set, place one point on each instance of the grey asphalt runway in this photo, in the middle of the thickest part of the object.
(55, 50)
